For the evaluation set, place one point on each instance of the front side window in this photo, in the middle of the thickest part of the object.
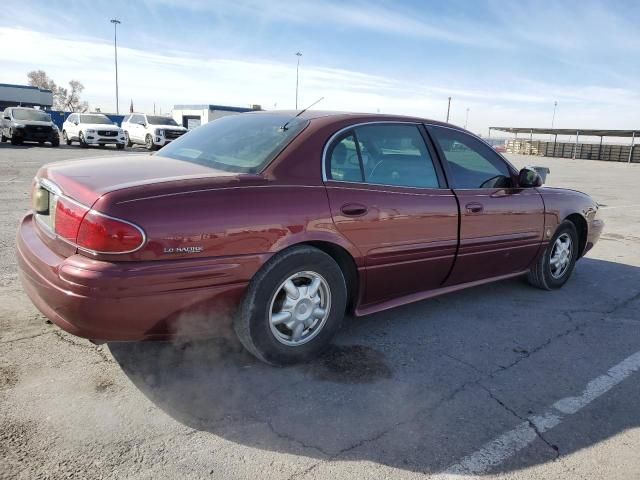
(33, 115)
(472, 164)
(99, 119)
(243, 143)
(389, 154)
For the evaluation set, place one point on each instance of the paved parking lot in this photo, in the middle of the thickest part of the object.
(499, 381)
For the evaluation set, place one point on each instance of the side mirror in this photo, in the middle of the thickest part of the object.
(528, 178)
(75, 123)
(7, 118)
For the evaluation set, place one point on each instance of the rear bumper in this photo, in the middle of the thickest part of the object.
(126, 301)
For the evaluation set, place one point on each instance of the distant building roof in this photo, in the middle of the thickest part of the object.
(25, 86)
(223, 108)
(590, 132)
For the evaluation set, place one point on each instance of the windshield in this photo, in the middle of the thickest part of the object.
(153, 120)
(100, 119)
(36, 115)
(246, 142)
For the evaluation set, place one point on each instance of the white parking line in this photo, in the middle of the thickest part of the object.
(619, 206)
(508, 444)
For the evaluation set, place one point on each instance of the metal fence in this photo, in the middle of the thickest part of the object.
(58, 117)
(586, 151)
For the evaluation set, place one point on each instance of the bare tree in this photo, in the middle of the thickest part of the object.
(67, 99)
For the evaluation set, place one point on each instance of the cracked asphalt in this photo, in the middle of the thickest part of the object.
(475, 383)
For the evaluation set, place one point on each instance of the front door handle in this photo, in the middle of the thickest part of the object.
(474, 207)
(354, 209)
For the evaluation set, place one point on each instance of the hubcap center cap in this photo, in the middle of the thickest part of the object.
(304, 309)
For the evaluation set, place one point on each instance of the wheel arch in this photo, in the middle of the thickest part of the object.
(582, 229)
(347, 264)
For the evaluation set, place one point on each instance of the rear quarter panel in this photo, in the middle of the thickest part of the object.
(263, 217)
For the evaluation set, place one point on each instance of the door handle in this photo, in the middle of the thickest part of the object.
(353, 209)
(474, 207)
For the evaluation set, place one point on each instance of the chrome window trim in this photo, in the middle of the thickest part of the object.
(57, 194)
(325, 150)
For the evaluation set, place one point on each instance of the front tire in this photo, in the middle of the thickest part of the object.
(14, 140)
(55, 143)
(65, 137)
(293, 307)
(83, 142)
(148, 142)
(128, 140)
(120, 146)
(555, 265)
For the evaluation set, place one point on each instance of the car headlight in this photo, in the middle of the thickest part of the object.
(90, 130)
(159, 131)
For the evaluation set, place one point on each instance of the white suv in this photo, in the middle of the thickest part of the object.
(92, 129)
(152, 131)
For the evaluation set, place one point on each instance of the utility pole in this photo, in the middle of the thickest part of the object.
(466, 119)
(116, 22)
(448, 109)
(553, 118)
(298, 54)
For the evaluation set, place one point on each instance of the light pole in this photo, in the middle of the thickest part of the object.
(466, 119)
(116, 22)
(553, 118)
(298, 54)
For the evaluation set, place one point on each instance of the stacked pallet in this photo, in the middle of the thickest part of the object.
(586, 151)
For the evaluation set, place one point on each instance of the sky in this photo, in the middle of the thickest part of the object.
(507, 62)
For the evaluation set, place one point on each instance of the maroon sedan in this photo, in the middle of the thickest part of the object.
(283, 223)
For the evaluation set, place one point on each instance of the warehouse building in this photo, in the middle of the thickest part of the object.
(192, 116)
(24, 96)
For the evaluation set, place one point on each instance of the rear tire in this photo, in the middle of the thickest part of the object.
(311, 319)
(555, 265)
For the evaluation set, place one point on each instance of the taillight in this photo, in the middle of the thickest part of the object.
(94, 231)
(68, 218)
(103, 234)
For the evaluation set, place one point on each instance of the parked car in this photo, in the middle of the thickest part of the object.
(21, 124)
(283, 223)
(92, 129)
(152, 131)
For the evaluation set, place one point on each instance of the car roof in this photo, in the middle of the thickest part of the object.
(330, 115)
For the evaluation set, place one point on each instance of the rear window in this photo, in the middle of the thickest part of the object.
(35, 115)
(243, 143)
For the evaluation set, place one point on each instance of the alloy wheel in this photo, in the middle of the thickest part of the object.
(561, 255)
(299, 308)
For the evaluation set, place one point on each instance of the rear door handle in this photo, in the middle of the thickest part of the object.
(474, 207)
(354, 209)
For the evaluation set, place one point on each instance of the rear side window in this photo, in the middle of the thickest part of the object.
(384, 154)
(344, 163)
(472, 164)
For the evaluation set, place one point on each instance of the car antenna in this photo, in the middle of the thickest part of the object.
(284, 127)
